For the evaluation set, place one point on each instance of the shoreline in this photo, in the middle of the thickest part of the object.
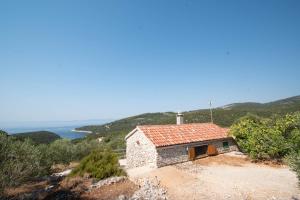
(79, 131)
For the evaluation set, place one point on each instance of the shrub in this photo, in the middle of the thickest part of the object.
(99, 164)
(20, 161)
(46, 159)
(84, 148)
(62, 151)
(294, 140)
(267, 138)
(3, 132)
(293, 160)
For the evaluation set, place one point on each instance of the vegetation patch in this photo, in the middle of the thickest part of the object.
(22, 161)
(99, 164)
(38, 137)
(294, 162)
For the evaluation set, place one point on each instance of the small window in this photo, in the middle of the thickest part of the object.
(225, 145)
(138, 142)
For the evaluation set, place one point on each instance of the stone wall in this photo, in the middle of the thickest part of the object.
(231, 143)
(172, 155)
(179, 153)
(140, 151)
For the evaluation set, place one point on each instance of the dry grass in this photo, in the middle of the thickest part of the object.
(75, 184)
(73, 188)
(25, 188)
(111, 192)
(79, 188)
(61, 167)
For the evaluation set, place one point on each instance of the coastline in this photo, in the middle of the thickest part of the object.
(80, 131)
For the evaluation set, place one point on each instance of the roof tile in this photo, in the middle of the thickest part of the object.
(165, 135)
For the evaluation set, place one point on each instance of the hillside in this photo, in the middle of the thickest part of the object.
(38, 137)
(114, 132)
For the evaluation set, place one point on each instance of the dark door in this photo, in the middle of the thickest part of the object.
(201, 151)
(192, 153)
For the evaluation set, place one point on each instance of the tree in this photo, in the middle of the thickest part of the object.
(20, 161)
(23, 160)
(85, 147)
(267, 138)
(62, 151)
(3, 132)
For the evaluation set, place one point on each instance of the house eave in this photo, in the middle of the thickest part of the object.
(191, 143)
(132, 132)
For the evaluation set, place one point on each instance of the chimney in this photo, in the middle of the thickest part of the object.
(179, 118)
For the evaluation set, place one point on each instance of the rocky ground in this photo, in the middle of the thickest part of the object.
(149, 189)
(114, 188)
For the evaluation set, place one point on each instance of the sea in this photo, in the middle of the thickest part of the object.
(63, 129)
(64, 132)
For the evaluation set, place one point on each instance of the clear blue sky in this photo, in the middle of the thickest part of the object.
(73, 60)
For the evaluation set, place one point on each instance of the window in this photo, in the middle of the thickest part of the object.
(225, 145)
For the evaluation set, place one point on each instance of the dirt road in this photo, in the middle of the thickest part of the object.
(213, 180)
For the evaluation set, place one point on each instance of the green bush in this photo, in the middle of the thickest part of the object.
(24, 160)
(3, 132)
(294, 140)
(46, 159)
(99, 164)
(293, 159)
(265, 139)
(19, 161)
(62, 151)
(84, 148)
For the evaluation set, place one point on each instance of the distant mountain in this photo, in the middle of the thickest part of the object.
(280, 106)
(223, 116)
(38, 137)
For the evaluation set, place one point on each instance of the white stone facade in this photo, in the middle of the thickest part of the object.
(140, 151)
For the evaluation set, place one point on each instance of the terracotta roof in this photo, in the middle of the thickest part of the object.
(165, 135)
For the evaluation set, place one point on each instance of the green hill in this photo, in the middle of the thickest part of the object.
(114, 132)
(38, 137)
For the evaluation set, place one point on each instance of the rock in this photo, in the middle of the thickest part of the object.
(48, 188)
(64, 173)
(122, 197)
(149, 190)
(108, 181)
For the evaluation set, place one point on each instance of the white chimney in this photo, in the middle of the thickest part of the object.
(179, 118)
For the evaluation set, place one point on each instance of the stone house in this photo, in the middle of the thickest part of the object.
(160, 145)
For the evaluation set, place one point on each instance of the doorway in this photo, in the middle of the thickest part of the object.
(201, 151)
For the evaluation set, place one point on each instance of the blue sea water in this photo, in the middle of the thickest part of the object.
(64, 132)
(62, 128)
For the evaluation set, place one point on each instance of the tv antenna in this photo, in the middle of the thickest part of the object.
(211, 117)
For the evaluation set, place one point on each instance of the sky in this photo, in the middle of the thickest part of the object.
(108, 59)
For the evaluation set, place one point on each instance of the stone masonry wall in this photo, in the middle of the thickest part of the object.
(140, 151)
(179, 153)
(172, 155)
